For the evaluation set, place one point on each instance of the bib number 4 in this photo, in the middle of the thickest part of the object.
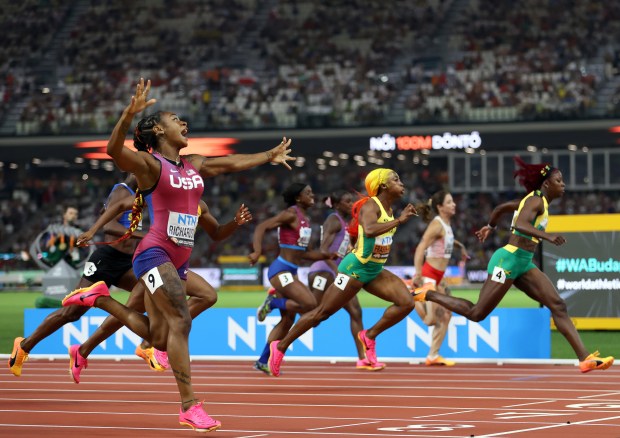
(499, 275)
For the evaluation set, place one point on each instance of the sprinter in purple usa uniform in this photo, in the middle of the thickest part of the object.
(175, 184)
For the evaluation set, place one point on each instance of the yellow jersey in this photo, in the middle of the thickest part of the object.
(375, 249)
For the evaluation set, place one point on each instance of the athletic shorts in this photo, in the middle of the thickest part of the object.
(431, 275)
(364, 272)
(510, 262)
(322, 266)
(107, 264)
(281, 265)
(154, 257)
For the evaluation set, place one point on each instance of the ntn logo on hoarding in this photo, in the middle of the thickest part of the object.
(447, 140)
(237, 333)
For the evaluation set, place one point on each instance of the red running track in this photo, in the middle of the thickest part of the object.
(125, 399)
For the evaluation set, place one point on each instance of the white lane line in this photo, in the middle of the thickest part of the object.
(531, 429)
(599, 395)
(297, 405)
(532, 403)
(220, 431)
(304, 386)
(445, 413)
(344, 425)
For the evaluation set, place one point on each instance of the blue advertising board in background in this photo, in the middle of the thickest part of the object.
(504, 334)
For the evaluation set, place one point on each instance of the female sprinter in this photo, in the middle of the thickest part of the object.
(201, 294)
(161, 259)
(436, 247)
(335, 238)
(294, 234)
(363, 268)
(512, 264)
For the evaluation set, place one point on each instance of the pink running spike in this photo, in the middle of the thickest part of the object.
(196, 418)
(86, 296)
(275, 359)
(76, 363)
(369, 346)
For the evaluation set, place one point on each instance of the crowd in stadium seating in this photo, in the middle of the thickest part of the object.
(69, 67)
(246, 64)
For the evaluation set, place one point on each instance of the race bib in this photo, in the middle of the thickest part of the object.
(499, 275)
(319, 283)
(285, 279)
(89, 269)
(341, 281)
(382, 247)
(153, 280)
(304, 236)
(344, 245)
(181, 228)
(449, 242)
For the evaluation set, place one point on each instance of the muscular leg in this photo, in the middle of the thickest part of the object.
(55, 320)
(170, 300)
(333, 300)
(538, 287)
(135, 321)
(282, 327)
(354, 310)
(159, 328)
(299, 298)
(439, 318)
(389, 287)
(491, 294)
(202, 295)
(110, 325)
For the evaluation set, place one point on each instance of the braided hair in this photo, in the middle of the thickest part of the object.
(532, 176)
(135, 217)
(144, 137)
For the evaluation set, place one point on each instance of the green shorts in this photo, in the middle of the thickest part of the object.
(353, 268)
(510, 262)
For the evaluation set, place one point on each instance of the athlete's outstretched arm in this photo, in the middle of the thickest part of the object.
(220, 232)
(496, 214)
(117, 205)
(532, 208)
(285, 217)
(125, 158)
(210, 167)
(370, 213)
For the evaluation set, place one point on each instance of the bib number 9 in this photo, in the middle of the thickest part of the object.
(153, 280)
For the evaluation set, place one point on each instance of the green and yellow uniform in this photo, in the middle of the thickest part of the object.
(368, 257)
(511, 261)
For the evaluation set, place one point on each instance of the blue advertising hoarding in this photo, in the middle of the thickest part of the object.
(505, 334)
